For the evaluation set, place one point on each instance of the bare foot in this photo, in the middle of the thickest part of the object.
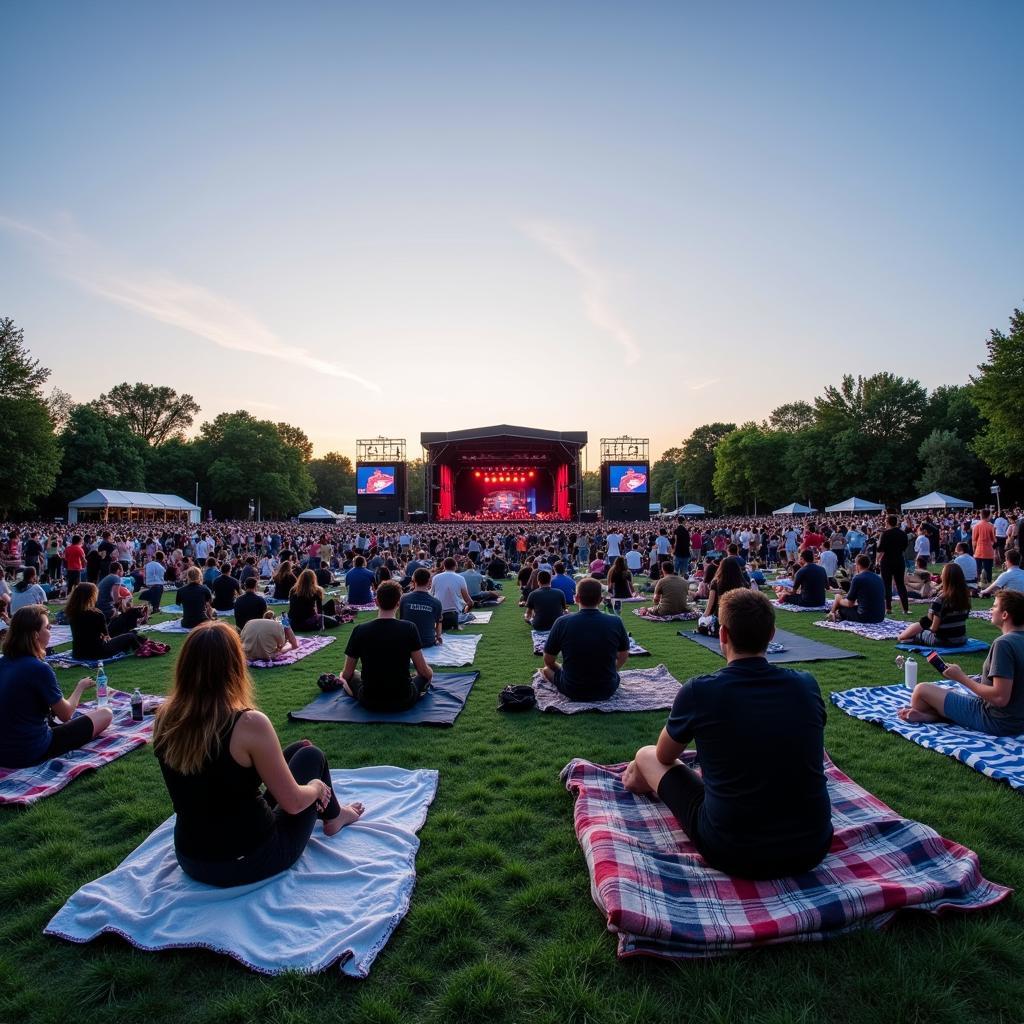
(915, 717)
(348, 814)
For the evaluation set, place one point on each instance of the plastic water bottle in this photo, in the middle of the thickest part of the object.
(285, 621)
(101, 686)
(910, 673)
(137, 705)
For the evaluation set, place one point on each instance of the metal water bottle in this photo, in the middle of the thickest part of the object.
(910, 673)
(137, 705)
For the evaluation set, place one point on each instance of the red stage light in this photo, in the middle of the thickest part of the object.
(532, 474)
(477, 473)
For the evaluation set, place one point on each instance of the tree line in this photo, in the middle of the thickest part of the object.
(881, 437)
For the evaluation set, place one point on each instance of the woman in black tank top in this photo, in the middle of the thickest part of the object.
(245, 808)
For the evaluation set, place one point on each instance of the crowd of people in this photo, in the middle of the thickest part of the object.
(246, 808)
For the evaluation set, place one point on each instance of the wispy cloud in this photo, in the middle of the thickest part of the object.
(595, 286)
(171, 300)
(701, 385)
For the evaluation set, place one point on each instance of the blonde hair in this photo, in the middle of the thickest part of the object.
(307, 586)
(211, 683)
(194, 574)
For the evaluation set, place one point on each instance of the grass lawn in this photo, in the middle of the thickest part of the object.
(502, 926)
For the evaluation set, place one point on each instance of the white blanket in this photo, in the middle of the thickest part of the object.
(454, 650)
(338, 904)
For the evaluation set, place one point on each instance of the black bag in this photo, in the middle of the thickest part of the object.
(517, 698)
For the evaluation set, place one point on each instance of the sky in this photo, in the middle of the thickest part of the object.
(621, 218)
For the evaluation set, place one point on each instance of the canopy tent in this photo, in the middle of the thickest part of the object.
(855, 505)
(318, 515)
(794, 508)
(687, 510)
(131, 506)
(935, 500)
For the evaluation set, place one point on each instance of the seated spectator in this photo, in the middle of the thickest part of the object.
(808, 585)
(250, 604)
(593, 646)
(450, 589)
(27, 591)
(359, 582)
(90, 633)
(30, 697)
(109, 585)
(216, 751)
(671, 594)
(919, 579)
(829, 561)
(153, 578)
(422, 609)
(566, 584)
(968, 564)
(210, 572)
(225, 589)
(497, 568)
(865, 600)
(195, 598)
(384, 648)
(635, 561)
(284, 580)
(1012, 578)
(306, 606)
(248, 569)
(599, 567)
(266, 637)
(996, 703)
(728, 577)
(945, 625)
(620, 580)
(545, 604)
(760, 807)
(477, 586)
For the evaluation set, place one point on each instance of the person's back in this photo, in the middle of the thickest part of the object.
(868, 591)
(547, 605)
(249, 606)
(28, 689)
(634, 560)
(424, 611)
(384, 647)
(474, 581)
(811, 579)
(193, 598)
(261, 638)
(447, 587)
(225, 588)
(358, 582)
(892, 544)
(672, 595)
(969, 566)
(829, 562)
(560, 581)
(105, 597)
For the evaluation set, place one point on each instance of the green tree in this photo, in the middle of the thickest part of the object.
(592, 489)
(792, 417)
(155, 414)
(947, 464)
(749, 468)
(416, 470)
(248, 458)
(99, 451)
(665, 476)
(171, 468)
(334, 481)
(21, 376)
(997, 390)
(31, 453)
(697, 465)
(297, 439)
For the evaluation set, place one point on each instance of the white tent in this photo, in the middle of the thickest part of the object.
(855, 505)
(318, 515)
(794, 508)
(688, 510)
(132, 505)
(935, 500)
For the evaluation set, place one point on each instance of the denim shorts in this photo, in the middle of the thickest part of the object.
(967, 710)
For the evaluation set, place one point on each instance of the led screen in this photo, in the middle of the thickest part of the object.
(375, 481)
(627, 479)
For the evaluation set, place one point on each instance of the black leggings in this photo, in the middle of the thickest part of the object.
(69, 736)
(681, 790)
(291, 832)
(895, 573)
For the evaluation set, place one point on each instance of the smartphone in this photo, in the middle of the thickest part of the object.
(935, 660)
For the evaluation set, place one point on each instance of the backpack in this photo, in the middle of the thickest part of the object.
(517, 698)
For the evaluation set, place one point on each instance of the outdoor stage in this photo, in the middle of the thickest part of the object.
(503, 473)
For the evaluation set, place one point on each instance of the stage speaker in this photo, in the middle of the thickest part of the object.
(417, 517)
(588, 517)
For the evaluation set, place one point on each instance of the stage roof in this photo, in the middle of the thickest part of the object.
(501, 430)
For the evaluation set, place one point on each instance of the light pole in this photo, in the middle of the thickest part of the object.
(995, 489)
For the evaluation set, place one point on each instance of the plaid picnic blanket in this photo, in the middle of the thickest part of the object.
(27, 785)
(785, 606)
(887, 629)
(307, 645)
(678, 617)
(661, 898)
(640, 689)
(998, 757)
(540, 639)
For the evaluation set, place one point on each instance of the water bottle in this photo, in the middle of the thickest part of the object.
(910, 673)
(618, 608)
(285, 621)
(101, 686)
(137, 705)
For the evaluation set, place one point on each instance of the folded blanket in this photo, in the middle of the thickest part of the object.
(455, 650)
(887, 629)
(540, 639)
(678, 617)
(785, 606)
(479, 618)
(307, 645)
(999, 757)
(59, 635)
(64, 660)
(170, 626)
(27, 785)
(640, 689)
(339, 904)
(663, 900)
(971, 647)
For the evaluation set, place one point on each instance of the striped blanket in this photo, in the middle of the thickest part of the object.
(678, 617)
(661, 898)
(887, 629)
(540, 639)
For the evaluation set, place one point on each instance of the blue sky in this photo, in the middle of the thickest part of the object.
(617, 218)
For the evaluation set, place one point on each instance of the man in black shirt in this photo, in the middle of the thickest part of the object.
(892, 545)
(545, 604)
(760, 807)
(681, 549)
(250, 605)
(422, 609)
(195, 599)
(809, 584)
(594, 646)
(225, 589)
(384, 647)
